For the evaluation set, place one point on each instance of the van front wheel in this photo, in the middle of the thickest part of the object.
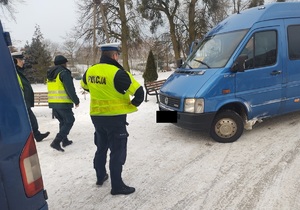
(227, 127)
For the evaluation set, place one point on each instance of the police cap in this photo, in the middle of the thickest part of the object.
(110, 47)
(17, 55)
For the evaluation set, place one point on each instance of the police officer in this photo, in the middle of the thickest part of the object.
(110, 87)
(28, 94)
(61, 97)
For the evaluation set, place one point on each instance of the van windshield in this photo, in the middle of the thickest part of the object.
(214, 51)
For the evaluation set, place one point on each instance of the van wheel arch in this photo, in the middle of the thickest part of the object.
(238, 108)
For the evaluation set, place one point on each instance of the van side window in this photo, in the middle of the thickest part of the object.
(261, 50)
(294, 42)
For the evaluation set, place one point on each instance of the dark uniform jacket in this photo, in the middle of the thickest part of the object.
(122, 82)
(67, 80)
(27, 89)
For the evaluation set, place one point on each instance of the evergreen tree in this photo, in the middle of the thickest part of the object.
(150, 73)
(39, 57)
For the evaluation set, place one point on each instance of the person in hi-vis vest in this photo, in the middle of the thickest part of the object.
(19, 60)
(61, 97)
(110, 88)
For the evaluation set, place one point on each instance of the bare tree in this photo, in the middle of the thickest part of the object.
(239, 5)
(8, 7)
(196, 18)
(154, 11)
(254, 3)
(70, 47)
(115, 21)
(52, 47)
(187, 20)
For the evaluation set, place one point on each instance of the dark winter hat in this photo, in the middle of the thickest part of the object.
(17, 55)
(59, 59)
(110, 47)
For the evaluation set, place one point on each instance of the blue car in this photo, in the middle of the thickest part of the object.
(21, 183)
(245, 69)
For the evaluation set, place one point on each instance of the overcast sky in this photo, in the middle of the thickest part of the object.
(55, 18)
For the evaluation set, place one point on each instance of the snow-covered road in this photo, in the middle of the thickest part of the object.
(173, 168)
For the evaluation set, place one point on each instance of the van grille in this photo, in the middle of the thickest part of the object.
(169, 101)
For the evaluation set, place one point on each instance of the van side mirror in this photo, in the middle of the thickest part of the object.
(179, 62)
(239, 64)
(234, 68)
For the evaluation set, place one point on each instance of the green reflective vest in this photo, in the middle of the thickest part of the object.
(56, 91)
(105, 99)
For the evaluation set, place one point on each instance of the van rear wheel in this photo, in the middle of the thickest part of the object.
(227, 127)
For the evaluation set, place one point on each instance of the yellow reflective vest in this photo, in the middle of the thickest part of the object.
(56, 91)
(105, 99)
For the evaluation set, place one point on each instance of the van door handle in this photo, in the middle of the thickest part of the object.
(275, 72)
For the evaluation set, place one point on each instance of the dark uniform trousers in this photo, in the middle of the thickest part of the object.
(113, 138)
(66, 120)
(33, 122)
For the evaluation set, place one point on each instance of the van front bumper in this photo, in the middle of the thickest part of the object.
(192, 121)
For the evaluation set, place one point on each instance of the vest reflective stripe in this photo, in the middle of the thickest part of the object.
(20, 82)
(56, 91)
(105, 100)
(111, 107)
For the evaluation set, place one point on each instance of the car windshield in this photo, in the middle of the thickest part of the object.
(214, 51)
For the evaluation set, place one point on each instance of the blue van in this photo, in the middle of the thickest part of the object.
(245, 69)
(21, 183)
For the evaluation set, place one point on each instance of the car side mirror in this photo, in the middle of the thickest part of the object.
(239, 64)
(179, 63)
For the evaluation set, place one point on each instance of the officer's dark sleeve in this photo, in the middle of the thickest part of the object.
(122, 82)
(138, 97)
(84, 78)
(67, 81)
(84, 82)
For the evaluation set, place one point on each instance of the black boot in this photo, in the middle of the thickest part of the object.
(66, 142)
(56, 144)
(101, 181)
(41, 136)
(123, 190)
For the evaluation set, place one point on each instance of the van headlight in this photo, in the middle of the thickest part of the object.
(193, 105)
